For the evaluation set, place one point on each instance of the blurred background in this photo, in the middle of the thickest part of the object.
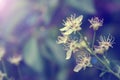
(30, 28)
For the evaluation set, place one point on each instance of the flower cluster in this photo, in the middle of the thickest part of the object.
(72, 47)
(80, 47)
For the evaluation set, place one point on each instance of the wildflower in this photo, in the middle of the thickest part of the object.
(83, 60)
(71, 25)
(104, 44)
(99, 50)
(71, 48)
(2, 52)
(62, 39)
(95, 23)
(15, 59)
(2, 75)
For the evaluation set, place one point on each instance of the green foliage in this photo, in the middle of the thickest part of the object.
(32, 55)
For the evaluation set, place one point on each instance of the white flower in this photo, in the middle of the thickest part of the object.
(99, 49)
(71, 25)
(2, 52)
(83, 60)
(15, 59)
(104, 44)
(62, 39)
(95, 23)
(2, 75)
(71, 47)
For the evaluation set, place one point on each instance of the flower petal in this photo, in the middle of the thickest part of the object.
(68, 54)
(77, 68)
(79, 18)
(64, 29)
(68, 32)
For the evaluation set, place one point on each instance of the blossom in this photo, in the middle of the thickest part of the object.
(2, 52)
(62, 39)
(104, 44)
(83, 60)
(15, 59)
(2, 75)
(71, 25)
(99, 49)
(71, 47)
(95, 23)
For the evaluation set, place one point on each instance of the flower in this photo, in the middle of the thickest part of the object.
(104, 44)
(62, 39)
(71, 25)
(71, 47)
(2, 75)
(2, 52)
(15, 59)
(95, 23)
(99, 49)
(83, 60)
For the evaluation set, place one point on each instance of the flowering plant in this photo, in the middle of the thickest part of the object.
(84, 50)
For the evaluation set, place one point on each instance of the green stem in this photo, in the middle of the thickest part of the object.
(92, 52)
(100, 68)
(93, 41)
(107, 61)
(4, 69)
(19, 72)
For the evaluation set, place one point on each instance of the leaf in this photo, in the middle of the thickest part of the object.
(83, 5)
(101, 74)
(62, 74)
(32, 56)
(56, 52)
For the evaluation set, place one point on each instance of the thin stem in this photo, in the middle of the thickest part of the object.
(92, 52)
(100, 68)
(107, 61)
(93, 41)
(4, 69)
(19, 72)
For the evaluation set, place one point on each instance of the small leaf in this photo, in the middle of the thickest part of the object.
(101, 74)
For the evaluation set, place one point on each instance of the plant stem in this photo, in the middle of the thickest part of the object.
(93, 41)
(4, 69)
(19, 72)
(92, 52)
(100, 68)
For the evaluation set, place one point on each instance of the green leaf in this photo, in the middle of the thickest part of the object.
(62, 74)
(32, 56)
(56, 52)
(82, 5)
(101, 74)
